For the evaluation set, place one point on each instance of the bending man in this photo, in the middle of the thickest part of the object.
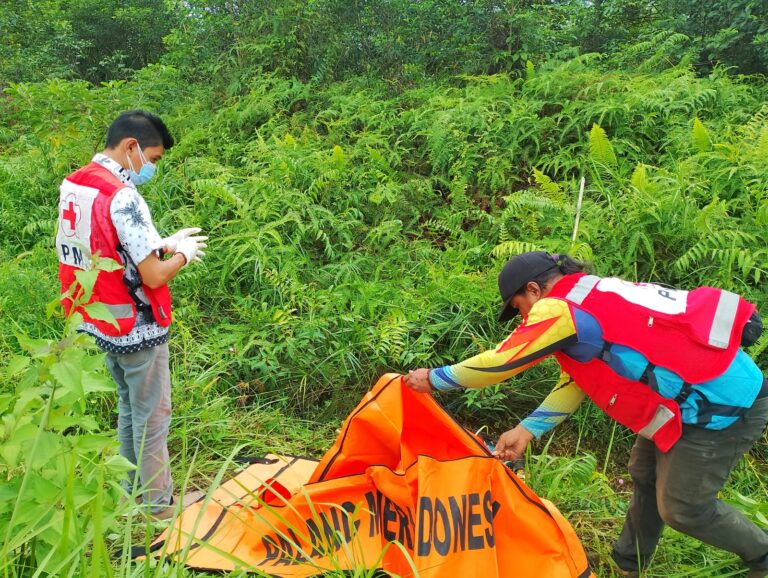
(665, 363)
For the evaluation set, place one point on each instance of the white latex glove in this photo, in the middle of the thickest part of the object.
(170, 243)
(191, 248)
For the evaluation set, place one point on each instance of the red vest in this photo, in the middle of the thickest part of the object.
(695, 334)
(86, 229)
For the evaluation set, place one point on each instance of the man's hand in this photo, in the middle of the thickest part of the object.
(171, 243)
(191, 248)
(512, 443)
(418, 380)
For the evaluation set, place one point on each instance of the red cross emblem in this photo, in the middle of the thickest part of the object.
(70, 215)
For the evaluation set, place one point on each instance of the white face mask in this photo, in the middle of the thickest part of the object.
(146, 172)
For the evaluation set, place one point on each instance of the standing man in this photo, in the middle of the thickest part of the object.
(101, 212)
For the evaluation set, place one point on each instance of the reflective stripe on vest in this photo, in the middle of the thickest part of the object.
(581, 289)
(722, 323)
(725, 316)
(660, 419)
(123, 311)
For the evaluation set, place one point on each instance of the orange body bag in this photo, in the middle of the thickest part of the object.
(404, 488)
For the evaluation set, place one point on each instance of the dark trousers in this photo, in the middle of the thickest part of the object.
(680, 488)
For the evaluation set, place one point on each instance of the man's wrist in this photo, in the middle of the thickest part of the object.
(183, 256)
(526, 432)
(439, 380)
(534, 429)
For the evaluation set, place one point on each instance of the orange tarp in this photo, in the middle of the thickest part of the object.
(404, 488)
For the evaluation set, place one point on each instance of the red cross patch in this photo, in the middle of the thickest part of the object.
(70, 215)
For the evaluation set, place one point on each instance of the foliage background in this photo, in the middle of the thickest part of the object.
(363, 170)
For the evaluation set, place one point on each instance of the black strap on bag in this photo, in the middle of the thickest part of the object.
(649, 377)
(605, 353)
(752, 330)
(685, 391)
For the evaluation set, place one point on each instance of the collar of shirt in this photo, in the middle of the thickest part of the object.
(114, 167)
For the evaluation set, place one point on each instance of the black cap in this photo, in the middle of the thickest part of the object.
(516, 274)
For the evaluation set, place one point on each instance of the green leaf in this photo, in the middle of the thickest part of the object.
(16, 365)
(94, 362)
(93, 381)
(600, 148)
(31, 516)
(9, 490)
(10, 451)
(51, 535)
(74, 320)
(98, 310)
(36, 347)
(63, 422)
(53, 307)
(92, 443)
(700, 137)
(68, 373)
(49, 446)
(28, 399)
(87, 280)
(106, 264)
(29, 379)
(43, 490)
(6, 399)
(89, 423)
(118, 465)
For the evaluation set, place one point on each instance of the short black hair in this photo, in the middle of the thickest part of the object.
(145, 127)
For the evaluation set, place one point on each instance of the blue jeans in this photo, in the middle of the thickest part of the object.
(679, 488)
(144, 416)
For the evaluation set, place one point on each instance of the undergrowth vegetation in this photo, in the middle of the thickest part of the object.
(356, 227)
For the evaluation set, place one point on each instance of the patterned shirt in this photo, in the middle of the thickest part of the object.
(138, 238)
(553, 326)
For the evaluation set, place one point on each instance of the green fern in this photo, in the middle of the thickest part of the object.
(659, 51)
(700, 137)
(508, 249)
(731, 253)
(549, 187)
(600, 148)
(762, 146)
(530, 70)
(639, 178)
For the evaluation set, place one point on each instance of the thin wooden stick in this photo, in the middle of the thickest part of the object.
(578, 211)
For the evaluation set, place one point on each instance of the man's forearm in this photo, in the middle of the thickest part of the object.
(155, 272)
